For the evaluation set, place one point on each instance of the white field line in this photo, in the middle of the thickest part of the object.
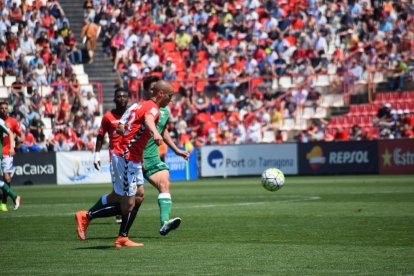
(12, 215)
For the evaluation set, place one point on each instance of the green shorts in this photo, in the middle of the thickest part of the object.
(154, 165)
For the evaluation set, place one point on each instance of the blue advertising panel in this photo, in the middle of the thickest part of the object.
(181, 169)
(356, 157)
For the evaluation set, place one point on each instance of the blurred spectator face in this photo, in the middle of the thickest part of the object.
(4, 110)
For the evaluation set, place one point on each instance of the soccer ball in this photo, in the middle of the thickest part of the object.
(273, 179)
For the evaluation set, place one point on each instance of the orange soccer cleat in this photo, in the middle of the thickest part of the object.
(125, 241)
(83, 222)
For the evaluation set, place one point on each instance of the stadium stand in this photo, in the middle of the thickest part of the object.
(247, 46)
(244, 71)
(42, 76)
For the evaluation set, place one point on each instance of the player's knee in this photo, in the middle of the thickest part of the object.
(139, 198)
(164, 186)
(128, 209)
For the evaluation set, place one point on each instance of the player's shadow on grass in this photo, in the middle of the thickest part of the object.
(98, 247)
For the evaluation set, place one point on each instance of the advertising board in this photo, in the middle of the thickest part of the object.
(34, 168)
(253, 159)
(181, 169)
(77, 167)
(338, 157)
(396, 156)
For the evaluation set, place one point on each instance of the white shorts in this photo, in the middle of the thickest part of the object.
(127, 176)
(7, 164)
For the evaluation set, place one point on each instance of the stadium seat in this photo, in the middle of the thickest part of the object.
(275, 84)
(86, 88)
(48, 132)
(298, 80)
(45, 90)
(83, 79)
(286, 82)
(256, 82)
(308, 112)
(372, 109)
(353, 109)
(320, 112)
(181, 75)
(269, 136)
(288, 124)
(4, 93)
(301, 124)
(327, 100)
(184, 54)
(175, 85)
(338, 101)
(378, 77)
(47, 122)
(8, 80)
(202, 55)
(169, 46)
(203, 117)
(322, 80)
(78, 69)
(217, 117)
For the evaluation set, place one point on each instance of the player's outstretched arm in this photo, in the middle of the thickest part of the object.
(169, 141)
(12, 143)
(97, 154)
(150, 124)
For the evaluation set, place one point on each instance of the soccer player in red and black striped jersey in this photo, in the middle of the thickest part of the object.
(8, 152)
(127, 160)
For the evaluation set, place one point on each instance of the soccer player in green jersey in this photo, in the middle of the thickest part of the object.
(158, 174)
(3, 186)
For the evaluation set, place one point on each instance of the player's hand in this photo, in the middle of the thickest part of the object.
(97, 160)
(12, 152)
(158, 139)
(184, 154)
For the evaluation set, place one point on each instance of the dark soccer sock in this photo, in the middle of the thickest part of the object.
(8, 192)
(128, 220)
(107, 210)
(99, 204)
(5, 195)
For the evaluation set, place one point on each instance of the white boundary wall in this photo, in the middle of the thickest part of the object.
(76, 167)
(234, 160)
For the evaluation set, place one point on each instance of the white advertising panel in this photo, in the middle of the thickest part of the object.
(76, 167)
(248, 159)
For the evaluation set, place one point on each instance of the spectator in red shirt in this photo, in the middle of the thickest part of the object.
(63, 111)
(341, 134)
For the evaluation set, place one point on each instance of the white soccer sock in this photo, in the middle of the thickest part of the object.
(164, 195)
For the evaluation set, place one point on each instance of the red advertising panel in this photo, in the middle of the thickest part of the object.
(396, 156)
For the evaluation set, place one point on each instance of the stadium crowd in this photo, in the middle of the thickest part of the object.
(209, 49)
(229, 41)
(37, 50)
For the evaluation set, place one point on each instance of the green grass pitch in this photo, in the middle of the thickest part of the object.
(333, 225)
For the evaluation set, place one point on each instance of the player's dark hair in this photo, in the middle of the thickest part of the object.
(4, 102)
(148, 80)
(120, 89)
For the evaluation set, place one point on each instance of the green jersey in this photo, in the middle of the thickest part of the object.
(3, 130)
(151, 149)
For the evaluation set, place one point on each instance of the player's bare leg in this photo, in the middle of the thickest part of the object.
(161, 181)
